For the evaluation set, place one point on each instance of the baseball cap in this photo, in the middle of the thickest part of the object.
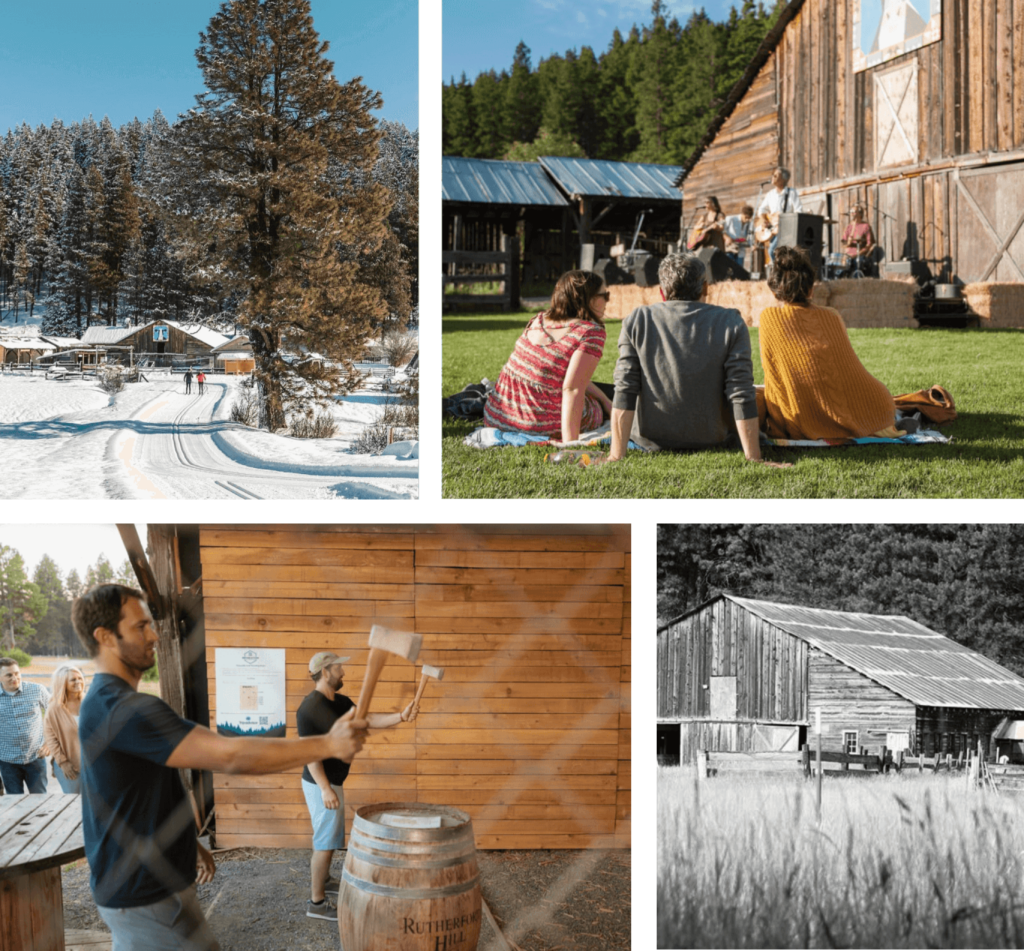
(324, 659)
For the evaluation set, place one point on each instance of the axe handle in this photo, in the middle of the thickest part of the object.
(419, 689)
(374, 665)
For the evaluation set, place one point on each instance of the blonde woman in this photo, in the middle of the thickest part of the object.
(61, 725)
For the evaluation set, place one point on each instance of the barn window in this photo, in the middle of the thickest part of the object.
(850, 744)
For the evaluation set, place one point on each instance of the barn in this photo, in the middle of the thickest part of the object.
(158, 339)
(914, 108)
(528, 731)
(739, 675)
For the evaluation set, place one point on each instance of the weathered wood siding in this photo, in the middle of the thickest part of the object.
(178, 342)
(723, 640)
(969, 115)
(735, 164)
(528, 731)
(848, 700)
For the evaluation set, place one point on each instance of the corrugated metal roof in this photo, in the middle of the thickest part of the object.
(597, 177)
(492, 182)
(913, 661)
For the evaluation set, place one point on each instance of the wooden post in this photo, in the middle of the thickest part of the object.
(881, 762)
(702, 765)
(899, 761)
(512, 273)
(805, 757)
(819, 766)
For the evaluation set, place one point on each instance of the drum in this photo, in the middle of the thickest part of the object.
(410, 881)
(838, 261)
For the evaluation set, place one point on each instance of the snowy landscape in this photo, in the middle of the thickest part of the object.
(70, 439)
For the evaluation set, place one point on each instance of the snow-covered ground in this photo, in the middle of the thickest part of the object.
(151, 441)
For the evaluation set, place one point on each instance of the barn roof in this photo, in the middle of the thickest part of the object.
(106, 336)
(913, 661)
(739, 90)
(600, 178)
(493, 182)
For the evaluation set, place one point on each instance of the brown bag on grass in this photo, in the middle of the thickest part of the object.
(935, 404)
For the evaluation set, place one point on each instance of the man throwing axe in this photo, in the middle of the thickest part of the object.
(322, 780)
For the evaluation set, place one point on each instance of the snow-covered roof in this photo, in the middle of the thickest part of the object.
(61, 341)
(105, 336)
(25, 343)
(212, 338)
(241, 342)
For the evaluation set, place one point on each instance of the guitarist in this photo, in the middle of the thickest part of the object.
(780, 200)
(707, 233)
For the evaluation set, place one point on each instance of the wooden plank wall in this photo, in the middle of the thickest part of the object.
(821, 126)
(725, 640)
(743, 154)
(528, 731)
(848, 700)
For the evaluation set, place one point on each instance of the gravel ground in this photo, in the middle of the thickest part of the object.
(542, 901)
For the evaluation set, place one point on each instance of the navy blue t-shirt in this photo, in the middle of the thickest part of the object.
(316, 716)
(140, 835)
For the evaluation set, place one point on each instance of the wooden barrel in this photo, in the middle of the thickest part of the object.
(410, 881)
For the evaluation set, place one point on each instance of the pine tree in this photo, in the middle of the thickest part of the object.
(21, 604)
(460, 129)
(522, 99)
(285, 240)
(51, 635)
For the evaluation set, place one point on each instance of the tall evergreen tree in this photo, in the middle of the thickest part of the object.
(522, 98)
(21, 604)
(53, 629)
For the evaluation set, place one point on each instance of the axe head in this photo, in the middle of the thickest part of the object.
(402, 643)
(436, 672)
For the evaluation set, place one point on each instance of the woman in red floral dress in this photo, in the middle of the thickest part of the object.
(545, 387)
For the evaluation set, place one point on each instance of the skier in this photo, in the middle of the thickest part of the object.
(188, 382)
(201, 379)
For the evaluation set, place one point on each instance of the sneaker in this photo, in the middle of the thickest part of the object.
(325, 909)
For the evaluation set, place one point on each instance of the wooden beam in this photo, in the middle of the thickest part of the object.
(147, 580)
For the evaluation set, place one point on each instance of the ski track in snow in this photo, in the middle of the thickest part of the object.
(152, 441)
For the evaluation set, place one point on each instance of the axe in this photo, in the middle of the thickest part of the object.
(436, 673)
(384, 641)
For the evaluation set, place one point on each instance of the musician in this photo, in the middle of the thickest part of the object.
(780, 200)
(737, 230)
(859, 240)
(708, 231)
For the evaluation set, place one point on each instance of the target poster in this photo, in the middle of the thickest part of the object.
(885, 29)
(250, 691)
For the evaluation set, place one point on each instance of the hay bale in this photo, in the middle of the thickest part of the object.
(998, 305)
(625, 298)
(871, 303)
(734, 294)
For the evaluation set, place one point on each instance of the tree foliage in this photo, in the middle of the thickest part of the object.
(648, 97)
(960, 580)
(21, 603)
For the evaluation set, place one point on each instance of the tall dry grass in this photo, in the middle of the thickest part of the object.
(896, 862)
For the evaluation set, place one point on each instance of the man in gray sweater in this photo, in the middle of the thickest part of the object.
(684, 377)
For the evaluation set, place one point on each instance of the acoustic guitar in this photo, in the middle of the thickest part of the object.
(765, 228)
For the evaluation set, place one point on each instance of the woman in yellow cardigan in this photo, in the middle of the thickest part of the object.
(815, 387)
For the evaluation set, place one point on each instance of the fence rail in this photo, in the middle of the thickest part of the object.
(478, 267)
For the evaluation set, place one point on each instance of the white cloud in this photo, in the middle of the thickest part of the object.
(581, 17)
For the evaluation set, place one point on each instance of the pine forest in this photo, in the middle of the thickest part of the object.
(649, 97)
(279, 204)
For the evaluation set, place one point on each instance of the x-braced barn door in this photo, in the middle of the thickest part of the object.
(990, 216)
(896, 116)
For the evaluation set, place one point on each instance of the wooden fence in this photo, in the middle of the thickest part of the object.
(463, 268)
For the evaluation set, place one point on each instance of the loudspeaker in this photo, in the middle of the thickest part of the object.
(916, 269)
(802, 231)
(645, 271)
(611, 273)
(721, 267)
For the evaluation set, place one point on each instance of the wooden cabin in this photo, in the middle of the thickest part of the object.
(156, 338)
(738, 675)
(927, 132)
(529, 729)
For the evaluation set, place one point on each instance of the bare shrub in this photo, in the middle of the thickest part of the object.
(322, 425)
(246, 408)
(111, 379)
(398, 347)
(373, 438)
(399, 419)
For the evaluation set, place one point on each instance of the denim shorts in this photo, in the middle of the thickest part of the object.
(328, 824)
(174, 924)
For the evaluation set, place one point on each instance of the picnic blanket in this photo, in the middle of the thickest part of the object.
(921, 437)
(487, 437)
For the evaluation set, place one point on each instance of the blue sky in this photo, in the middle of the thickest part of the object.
(483, 34)
(126, 58)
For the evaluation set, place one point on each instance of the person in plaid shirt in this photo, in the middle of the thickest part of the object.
(22, 748)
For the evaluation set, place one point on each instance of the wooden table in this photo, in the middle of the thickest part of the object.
(38, 834)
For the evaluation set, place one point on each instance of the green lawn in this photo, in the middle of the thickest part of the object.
(985, 459)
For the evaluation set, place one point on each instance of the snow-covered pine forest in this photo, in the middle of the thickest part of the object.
(82, 232)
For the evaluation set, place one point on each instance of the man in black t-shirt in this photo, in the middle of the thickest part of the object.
(322, 780)
(140, 835)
